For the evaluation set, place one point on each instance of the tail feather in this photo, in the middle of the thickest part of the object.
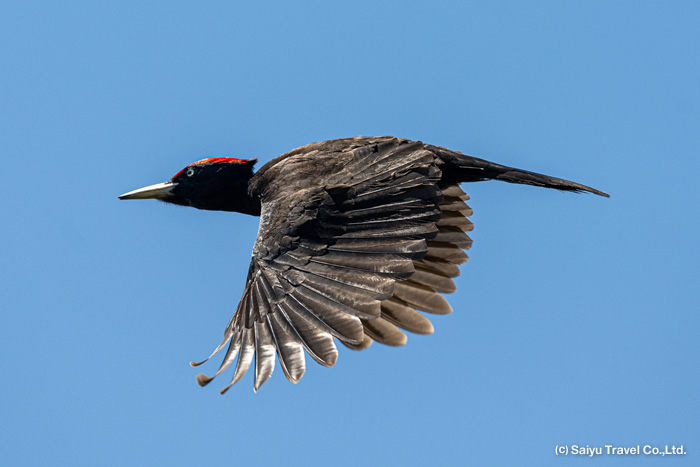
(459, 167)
(511, 175)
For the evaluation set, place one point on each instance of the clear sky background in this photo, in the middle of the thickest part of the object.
(576, 320)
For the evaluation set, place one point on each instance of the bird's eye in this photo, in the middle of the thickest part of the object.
(190, 172)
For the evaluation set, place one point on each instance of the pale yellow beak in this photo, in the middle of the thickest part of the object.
(157, 191)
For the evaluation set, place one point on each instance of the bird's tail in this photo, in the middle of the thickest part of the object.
(462, 168)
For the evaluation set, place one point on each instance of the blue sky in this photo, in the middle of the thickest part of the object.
(576, 319)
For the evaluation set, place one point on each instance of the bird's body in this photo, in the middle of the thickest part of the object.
(356, 235)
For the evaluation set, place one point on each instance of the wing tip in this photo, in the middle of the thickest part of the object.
(203, 379)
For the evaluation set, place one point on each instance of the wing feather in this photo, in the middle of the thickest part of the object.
(245, 357)
(435, 280)
(421, 297)
(409, 248)
(290, 350)
(317, 342)
(264, 353)
(385, 332)
(373, 283)
(386, 263)
(406, 317)
(317, 312)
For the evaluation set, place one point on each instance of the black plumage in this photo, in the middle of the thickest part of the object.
(357, 237)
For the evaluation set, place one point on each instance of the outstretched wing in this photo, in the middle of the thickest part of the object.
(351, 258)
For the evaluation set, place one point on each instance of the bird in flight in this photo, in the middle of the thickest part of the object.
(357, 237)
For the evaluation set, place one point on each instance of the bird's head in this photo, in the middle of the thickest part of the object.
(217, 184)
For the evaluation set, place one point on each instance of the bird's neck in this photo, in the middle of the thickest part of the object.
(248, 204)
(238, 199)
(223, 195)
